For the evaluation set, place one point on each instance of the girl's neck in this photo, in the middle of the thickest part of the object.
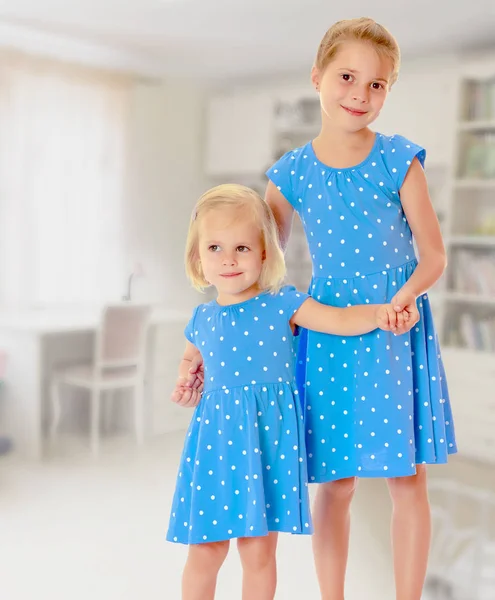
(225, 299)
(330, 134)
(341, 149)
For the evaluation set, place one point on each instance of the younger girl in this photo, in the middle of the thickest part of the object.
(243, 469)
(376, 406)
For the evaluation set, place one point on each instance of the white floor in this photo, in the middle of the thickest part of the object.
(74, 528)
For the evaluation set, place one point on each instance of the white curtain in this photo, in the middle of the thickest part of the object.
(63, 147)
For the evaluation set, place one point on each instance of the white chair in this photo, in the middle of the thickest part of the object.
(119, 363)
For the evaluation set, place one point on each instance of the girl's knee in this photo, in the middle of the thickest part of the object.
(257, 553)
(412, 486)
(211, 555)
(341, 489)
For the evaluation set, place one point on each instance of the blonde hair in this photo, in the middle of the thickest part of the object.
(250, 204)
(361, 29)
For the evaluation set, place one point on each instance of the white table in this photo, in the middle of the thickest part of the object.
(35, 340)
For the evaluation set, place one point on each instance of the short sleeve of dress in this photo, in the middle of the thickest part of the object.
(398, 154)
(189, 330)
(291, 299)
(281, 175)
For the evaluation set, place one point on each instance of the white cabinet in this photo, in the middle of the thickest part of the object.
(239, 135)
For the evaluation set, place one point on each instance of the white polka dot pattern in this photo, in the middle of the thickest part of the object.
(243, 471)
(376, 405)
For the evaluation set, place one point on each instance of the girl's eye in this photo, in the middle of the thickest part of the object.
(376, 86)
(346, 76)
(214, 248)
(242, 249)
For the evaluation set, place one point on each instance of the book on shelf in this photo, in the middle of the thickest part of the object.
(487, 227)
(479, 159)
(476, 333)
(474, 273)
(480, 100)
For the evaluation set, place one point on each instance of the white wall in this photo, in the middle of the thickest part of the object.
(165, 180)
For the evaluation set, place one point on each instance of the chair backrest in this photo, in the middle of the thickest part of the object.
(121, 338)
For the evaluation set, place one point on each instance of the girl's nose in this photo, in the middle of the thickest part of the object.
(361, 94)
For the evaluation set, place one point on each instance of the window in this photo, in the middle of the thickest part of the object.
(63, 140)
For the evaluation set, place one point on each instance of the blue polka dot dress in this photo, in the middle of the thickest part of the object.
(243, 470)
(378, 404)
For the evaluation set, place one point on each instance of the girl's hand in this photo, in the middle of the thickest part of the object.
(185, 396)
(390, 320)
(405, 302)
(196, 375)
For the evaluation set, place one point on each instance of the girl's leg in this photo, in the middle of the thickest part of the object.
(411, 531)
(331, 518)
(259, 566)
(199, 579)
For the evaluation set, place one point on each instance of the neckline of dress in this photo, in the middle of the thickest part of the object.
(235, 304)
(370, 155)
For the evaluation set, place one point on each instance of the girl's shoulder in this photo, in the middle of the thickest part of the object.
(395, 154)
(289, 160)
(288, 170)
(400, 145)
(199, 313)
(288, 300)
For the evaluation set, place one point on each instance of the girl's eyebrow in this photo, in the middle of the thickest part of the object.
(353, 71)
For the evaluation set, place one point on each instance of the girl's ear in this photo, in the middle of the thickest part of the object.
(263, 255)
(315, 78)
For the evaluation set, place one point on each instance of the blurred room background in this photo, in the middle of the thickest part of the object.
(114, 117)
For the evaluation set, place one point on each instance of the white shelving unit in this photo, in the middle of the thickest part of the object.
(474, 125)
(466, 295)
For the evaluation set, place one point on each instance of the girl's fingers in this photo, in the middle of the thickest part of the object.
(386, 318)
(392, 317)
(198, 382)
(196, 364)
(193, 399)
(196, 376)
(186, 398)
(177, 395)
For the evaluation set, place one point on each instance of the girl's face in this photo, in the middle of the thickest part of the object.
(231, 254)
(353, 86)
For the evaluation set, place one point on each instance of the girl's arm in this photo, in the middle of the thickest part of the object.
(282, 211)
(353, 320)
(423, 221)
(183, 394)
(195, 374)
(190, 353)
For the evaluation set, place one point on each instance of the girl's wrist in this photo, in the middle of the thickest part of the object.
(409, 290)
